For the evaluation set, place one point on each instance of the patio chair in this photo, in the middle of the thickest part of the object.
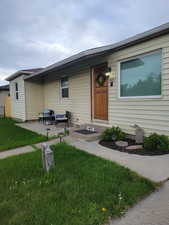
(60, 118)
(63, 118)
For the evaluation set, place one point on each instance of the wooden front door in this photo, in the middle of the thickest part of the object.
(100, 93)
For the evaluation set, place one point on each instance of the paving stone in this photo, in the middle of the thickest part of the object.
(134, 147)
(121, 144)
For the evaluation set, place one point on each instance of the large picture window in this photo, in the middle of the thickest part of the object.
(141, 76)
(64, 87)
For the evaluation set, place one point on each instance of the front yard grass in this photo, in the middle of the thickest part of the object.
(12, 136)
(81, 190)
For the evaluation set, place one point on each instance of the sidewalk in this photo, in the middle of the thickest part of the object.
(155, 168)
(16, 151)
(154, 210)
(24, 149)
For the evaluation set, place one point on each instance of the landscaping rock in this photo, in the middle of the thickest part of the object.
(134, 147)
(121, 144)
(139, 134)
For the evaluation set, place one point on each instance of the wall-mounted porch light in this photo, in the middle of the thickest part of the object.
(108, 72)
(110, 75)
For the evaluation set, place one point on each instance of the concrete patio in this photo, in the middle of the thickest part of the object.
(41, 128)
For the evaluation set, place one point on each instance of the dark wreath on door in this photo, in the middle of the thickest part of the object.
(100, 79)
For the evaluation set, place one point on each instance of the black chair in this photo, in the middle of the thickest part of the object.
(69, 117)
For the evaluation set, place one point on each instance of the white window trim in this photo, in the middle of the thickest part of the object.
(119, 77)
(64, 87)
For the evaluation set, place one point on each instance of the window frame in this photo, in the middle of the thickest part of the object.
(16, 91)
(135, 57)
(64, 87)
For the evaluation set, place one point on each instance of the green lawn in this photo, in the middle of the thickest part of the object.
(82, 189)
(12, 136)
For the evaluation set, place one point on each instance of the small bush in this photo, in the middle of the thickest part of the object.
(114, 132)
(156, 142)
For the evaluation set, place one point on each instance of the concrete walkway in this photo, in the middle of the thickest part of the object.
(154, 210)
(24, 149)
(16, 151)
(155, 168)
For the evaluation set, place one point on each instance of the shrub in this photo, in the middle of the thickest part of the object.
(114, 132)
(156, 142)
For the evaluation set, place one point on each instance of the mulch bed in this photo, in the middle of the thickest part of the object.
(113, 146)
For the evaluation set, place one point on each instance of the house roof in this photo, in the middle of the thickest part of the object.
(21, 72)
(82, 56)
(4, 88)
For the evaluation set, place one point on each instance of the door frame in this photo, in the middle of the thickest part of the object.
(92, 91)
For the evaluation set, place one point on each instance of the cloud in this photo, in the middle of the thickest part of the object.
(37, 34)
(3, 74)
(55, 47)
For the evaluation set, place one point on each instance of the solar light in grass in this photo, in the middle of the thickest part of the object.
(47, 133)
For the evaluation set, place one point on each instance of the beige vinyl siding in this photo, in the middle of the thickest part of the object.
(78, 102)
(150, 113)
(34, 100)
(18, 106)
(81, 100)
(52, 98)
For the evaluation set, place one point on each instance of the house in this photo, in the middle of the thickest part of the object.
(122, 84)
(20, 92)
(4, 91)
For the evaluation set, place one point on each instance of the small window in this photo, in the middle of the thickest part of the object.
(16, 91)
(141, 76)
(64, 87)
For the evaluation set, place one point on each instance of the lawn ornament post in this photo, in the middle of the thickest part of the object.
(47, 157)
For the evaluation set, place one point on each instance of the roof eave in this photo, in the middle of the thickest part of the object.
(108, 49)
(82, 58)
(17, 74)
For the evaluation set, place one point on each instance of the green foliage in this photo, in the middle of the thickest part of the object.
(66, 132)
(72, 193)
(114, 132)
(12, 136)
(156, 142)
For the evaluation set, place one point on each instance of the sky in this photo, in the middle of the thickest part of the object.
(37, 33)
